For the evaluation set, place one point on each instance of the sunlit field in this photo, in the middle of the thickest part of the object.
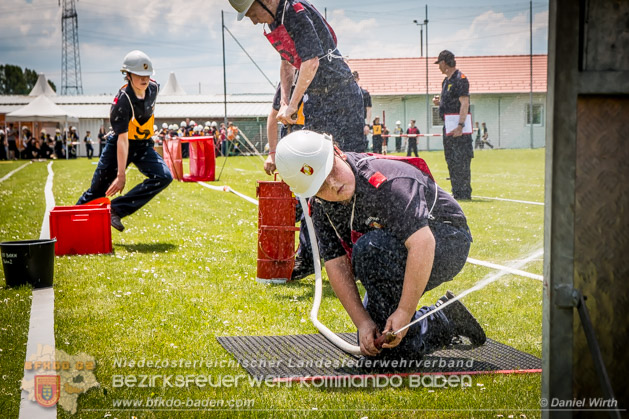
(183, 272)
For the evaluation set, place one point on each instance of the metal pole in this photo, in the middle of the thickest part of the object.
(421, 40)
(428, 108)
(224, 69)
(531, 66)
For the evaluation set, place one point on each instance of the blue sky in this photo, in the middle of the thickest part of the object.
(185, 37)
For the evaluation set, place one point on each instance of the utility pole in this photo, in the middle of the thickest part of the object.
(531, 66)
(70, 57)
(421, 43)
(224, 70)
(428, 108)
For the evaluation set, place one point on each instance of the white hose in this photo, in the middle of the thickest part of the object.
(330, 335)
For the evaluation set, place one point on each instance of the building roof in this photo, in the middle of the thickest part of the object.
(42, 108)
(487, 74)
(168, 106)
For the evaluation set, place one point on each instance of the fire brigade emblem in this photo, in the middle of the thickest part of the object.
(47, 388)
(146, 66)
(307, 170)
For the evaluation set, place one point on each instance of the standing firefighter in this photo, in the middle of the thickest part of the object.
(132, 121)
(397, 255)
(332, 100)
(457, 147)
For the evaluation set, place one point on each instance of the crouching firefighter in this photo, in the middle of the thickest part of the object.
(386, 223)
(132, 121)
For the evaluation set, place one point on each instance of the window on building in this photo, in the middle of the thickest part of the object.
(538, 114)
(437, 121)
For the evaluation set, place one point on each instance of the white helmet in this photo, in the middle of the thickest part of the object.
(241, 6)
(164, 125)
(207, 123)
(398, 122)
(173, 127)
(206, 128)
(154, 127)
(193, 124)
(214, 124)
(183, 124)
(304, 159)
(137, 62)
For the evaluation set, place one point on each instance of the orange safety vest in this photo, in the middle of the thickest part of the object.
(139, 131)
(232, 133)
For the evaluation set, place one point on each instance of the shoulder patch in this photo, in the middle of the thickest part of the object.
(463, 76)
(116, 100)
(377, 179)
(298, 7)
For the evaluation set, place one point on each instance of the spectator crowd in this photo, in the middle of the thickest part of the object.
(26, 145)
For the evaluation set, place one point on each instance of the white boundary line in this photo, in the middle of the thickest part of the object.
(12, 172)
(505, 269)
(41, 330)
(510, 200)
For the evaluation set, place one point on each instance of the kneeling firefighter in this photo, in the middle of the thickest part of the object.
(386, 223)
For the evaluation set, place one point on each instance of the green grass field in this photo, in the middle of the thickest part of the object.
(183, 273)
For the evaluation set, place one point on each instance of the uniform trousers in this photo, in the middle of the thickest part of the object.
(459, 152)
(148, 162)
(379, 262)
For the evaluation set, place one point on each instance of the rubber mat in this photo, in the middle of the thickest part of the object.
(296, 357)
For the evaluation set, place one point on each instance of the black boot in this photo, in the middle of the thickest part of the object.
(463, 322)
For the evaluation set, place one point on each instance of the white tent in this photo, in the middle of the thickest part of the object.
(172, 87)
(41, 109)
(42, 87)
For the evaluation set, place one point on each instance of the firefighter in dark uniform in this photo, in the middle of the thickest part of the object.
(397, 255)
(132, 121)
(458, 147)
(366, 103)
(332, 100)
(376, 139)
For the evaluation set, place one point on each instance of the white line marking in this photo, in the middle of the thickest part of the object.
(12, 172)
(41, 330)
(510, 200)
(50, 204)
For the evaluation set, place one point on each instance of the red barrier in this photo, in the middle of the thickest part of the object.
(202, 158)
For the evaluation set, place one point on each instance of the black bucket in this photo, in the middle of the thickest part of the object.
(28, 262)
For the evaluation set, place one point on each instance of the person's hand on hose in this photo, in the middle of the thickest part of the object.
(269, 164)
(117, 185)
(368, 333)
(286, 114)
(396, 321)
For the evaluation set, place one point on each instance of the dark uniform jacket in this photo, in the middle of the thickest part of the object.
(392, 195)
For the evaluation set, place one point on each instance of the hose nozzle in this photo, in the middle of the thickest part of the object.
(384, 338)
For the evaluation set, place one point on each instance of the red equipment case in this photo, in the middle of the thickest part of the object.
(81, 229)
(276, 232)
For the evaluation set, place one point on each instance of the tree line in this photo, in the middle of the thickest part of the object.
(15, 81)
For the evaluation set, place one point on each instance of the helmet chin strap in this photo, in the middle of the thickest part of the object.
(266, 8)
